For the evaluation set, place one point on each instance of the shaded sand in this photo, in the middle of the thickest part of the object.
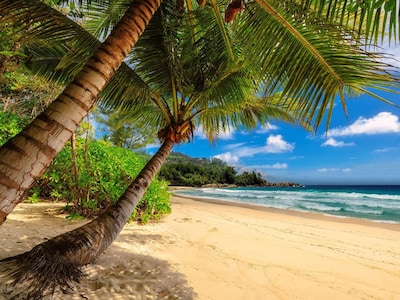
(207, 250)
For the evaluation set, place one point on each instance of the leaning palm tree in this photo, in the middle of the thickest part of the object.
(307, 50)
(198, 72)
(26, 156)
(224, 97)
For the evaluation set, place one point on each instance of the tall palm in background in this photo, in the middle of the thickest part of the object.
(308, 50)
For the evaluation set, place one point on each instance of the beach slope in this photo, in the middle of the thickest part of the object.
(206, 250)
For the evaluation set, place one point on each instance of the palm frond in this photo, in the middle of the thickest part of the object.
(246, 114)
(100, 17)
(26, 21)
(374, 20)
(308, 60)
(60, 62)
(156, 56)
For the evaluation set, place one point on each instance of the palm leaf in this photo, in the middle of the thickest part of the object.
(373, 19)
(246, 114)
(308, 60)
(60, 61)
(101, 17)
(27, 21)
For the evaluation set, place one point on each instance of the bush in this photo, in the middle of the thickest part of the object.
(10, 125)
(97, 178)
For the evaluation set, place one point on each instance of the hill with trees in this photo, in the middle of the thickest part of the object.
(183, 170)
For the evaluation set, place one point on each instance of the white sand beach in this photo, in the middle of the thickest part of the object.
(207, 250)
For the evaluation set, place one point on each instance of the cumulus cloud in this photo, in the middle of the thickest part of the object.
(267, 128)
(273, 144)
(394, 54)
(276, 144)
(228, 157)
(334, 143)
(384, 122)
(226, 135)
(222, 135)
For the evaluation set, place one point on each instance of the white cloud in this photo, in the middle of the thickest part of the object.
(384, 122)
(275, 166)
(226, 135)
(383, 150)
(296, 157)
(276, 144)
(322, 170)
(228, 158)
(334, 143)
(394, 52)
(233, 146)
(222, 135)
(325, 170)
(273, 144)
(267, 128)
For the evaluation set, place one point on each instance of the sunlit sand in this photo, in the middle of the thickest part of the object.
(206, 250)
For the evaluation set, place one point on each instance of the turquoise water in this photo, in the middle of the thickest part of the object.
(376, 203)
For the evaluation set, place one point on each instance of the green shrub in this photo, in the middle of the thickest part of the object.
(10, 125)
(98, 178)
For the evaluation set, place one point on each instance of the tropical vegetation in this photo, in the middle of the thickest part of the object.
(91, 177)
(182, 170)
(286, 60)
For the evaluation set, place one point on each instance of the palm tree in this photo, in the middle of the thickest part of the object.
(175, 111)
(301, 48)
(308, 50)
(199, 73)
(26, 156)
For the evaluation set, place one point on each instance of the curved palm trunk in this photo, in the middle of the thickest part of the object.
(27, 155)
(57, 261)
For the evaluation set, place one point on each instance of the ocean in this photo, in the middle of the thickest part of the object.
(375, 203)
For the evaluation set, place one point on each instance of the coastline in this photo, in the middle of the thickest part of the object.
(208, 250)
(291, 212)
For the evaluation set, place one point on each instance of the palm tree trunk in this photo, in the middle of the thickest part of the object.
(57, 261)
(26, 156)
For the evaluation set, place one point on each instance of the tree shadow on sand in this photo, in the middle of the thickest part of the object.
(119, 275)
(116, 274)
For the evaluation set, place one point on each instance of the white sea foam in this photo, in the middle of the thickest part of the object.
(378, 204)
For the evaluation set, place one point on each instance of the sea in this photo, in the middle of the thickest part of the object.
(378, 203)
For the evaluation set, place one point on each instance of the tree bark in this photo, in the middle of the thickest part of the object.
(26, 156)
(56, 262)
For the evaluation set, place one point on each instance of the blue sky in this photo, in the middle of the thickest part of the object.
(363, 148)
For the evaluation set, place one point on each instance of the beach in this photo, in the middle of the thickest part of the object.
(212, 250)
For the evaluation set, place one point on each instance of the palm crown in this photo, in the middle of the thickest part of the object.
(279, 59)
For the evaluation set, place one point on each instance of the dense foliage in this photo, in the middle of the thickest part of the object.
(22, 94)
(96, 178)
(10, 125)
(182, 170)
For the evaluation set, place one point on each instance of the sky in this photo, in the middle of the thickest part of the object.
(362, 148)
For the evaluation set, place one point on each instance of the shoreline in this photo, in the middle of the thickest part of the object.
(291, 212)
(212, 251)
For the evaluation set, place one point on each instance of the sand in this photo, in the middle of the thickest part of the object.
(206, 250)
